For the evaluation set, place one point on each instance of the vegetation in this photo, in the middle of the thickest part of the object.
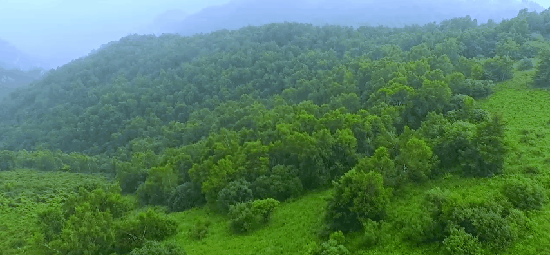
(286, 138)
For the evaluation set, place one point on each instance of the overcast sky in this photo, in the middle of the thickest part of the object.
(54, 29)
(58, 30)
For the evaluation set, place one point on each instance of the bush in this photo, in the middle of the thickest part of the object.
(158, 187)
(200, 229)
(130, 178)
(235, 192)
(358, 196)
(525, 64)
(490, 222)
(282, 184)
(525, 194)
(263, 208)
(245, 217)
(157, 248)
(333, 246)
(186, 196)
(7, 160)
(461, 243)
(542, 73)
(498, 69)
(150, 225)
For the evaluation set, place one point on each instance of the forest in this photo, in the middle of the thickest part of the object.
(286, 138)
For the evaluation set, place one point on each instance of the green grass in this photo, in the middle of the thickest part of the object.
(293, 225)
(23, 193)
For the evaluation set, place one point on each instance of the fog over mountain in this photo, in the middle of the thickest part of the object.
(13, 58)
(59, 31)
(392, 13)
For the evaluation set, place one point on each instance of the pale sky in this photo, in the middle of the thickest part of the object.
(56, 29)
(60, 30)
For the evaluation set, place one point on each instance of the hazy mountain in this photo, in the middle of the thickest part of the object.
(13, 58)
(394, 13)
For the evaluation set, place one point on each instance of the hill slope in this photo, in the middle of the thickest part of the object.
(239, 126)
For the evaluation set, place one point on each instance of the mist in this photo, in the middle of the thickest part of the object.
(48, 34)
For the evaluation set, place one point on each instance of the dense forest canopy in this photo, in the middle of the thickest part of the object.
(240, 122)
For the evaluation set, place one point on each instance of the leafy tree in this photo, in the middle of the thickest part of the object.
(236, 192)
(542, 73)
(416, 159)
(186, 196)
(358, 196)
(245, 217)
(158, 187)
(525, 194)
(498, 69)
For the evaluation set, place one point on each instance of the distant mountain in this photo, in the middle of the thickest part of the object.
(393, 13)
(13, 58)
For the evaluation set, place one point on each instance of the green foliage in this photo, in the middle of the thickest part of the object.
(248, 216)
(158, 187)
(200, 229)
(186, 196)
(416, 159)
(461, 243)
(525, 64)
(498, 69)
(542, 73)
(85, 222)
(525, 194)
(358, 196)
(282, 184)
(462, 224)
(157, 248)
(150, 225)
(475, 88)
(236, 192)
(333, 246)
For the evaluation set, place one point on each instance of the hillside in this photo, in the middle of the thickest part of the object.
(286, 138)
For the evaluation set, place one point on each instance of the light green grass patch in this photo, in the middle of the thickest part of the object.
(293, 225)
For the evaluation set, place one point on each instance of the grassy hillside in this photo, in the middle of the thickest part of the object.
(287, 139)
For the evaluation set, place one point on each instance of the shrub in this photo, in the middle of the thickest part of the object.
(130, 178)
(498, 69)
(525, 194)
(525, 64)
(200, 229)
(542, 73)
(282, 184)
(235, 192)
(358, 196)
(263, 208)
(7, 160)
(157, 248)
(333, 246)
(186, 196)
(461, 243)
(152, 225)
(158, 187)
(242, 218)
(245, 217)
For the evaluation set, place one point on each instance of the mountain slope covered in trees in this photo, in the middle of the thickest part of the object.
(409, 140)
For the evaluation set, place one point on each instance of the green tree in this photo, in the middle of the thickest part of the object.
(358, 196)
